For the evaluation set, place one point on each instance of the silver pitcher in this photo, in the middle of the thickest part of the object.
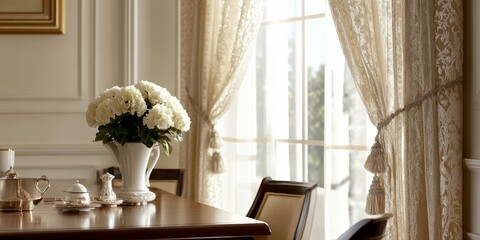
(21, 194)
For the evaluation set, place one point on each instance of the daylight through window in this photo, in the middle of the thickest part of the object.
(298, 117)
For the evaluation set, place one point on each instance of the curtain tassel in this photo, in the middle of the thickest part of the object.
(376, 160)
(216, 163)
(216, 141)
(216, 160)
(376, 198)
(376, 195)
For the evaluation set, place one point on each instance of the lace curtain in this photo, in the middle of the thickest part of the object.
(216, 38)
(400, 53)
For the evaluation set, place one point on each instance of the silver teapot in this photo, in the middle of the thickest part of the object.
(21, 194)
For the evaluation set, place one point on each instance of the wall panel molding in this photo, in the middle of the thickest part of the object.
(471, 197)
(77, 172)
(85, 68)
(59, 149)
(131, 39)
(107, 43)
(473, 165)
(472, 8)
(92, 76)
(471, 236)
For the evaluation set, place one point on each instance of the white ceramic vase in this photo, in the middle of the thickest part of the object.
(135, 161)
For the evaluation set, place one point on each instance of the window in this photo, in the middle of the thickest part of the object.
(298, 117)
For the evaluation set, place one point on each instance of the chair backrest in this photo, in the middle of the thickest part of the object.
(170, 180)
(284, 206)
(367, 228)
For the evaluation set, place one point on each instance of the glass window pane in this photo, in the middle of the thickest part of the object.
(249, 162)
(241, 175)
(360, 180)
(280, 9)
(316, 165)
(347, 188)
(278, 70)
(314, 7)
(240, 121)
(361, 130)
(295, 161)
(315, 75)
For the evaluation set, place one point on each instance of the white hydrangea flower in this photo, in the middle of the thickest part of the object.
(90, 117)
(182, 121)
(92, 107)
(110, 93)
(180, 116)
(159, 116)
(145, 87)
(103, 113)
(128, 100)
(154, 93)
(138, 104)
(91, 112)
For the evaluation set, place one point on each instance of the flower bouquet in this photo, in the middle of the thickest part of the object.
(144, 112)
(131, 121)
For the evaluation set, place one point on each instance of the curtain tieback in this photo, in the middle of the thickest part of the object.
(376, 160)
(215, 142)
(216, 159)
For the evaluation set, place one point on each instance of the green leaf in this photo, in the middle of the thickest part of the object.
(129, 128)
(166, 147)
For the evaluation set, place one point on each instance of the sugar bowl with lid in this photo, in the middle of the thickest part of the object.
(76, 195)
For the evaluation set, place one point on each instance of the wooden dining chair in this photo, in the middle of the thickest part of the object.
(170, 180)
(286, 207)
(372, 228)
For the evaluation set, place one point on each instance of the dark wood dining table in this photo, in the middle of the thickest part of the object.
(166, 217)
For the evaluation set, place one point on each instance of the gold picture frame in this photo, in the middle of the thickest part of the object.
(32, 16)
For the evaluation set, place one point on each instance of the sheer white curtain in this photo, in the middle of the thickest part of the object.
(410, 54)
(298, 117)
(216, 38)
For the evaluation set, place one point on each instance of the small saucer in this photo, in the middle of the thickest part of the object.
(70, 207)
(110, 203)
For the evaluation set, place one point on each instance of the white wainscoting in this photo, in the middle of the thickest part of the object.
(471, 195)
(49, 73)
(471, 236)
(62, 162)
(47, 81)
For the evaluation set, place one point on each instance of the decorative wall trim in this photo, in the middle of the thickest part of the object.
(474, 38)
(178, 21)
(472, 164)
(79, 75)
(55, 149)
(471, 236)
(94, 56)
(131, 39)
(64, 104)
(70, 173)
(471, 173)
(26, 18)
(38, 98)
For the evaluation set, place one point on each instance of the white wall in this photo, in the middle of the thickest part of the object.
(46, 81)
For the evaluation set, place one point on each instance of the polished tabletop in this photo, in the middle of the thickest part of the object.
(168, 216)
